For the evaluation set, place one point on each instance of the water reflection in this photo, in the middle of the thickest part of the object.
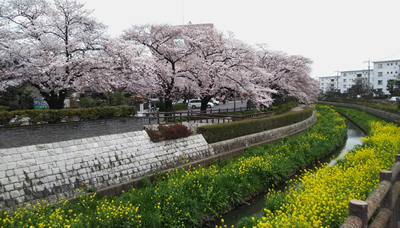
(354, 136)
(255, 205)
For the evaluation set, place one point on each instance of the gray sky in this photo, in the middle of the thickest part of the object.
(336, 35)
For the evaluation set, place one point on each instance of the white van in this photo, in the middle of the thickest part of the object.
(196, 103)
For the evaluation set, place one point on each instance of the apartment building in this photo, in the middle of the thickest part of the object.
(329, 83)
(378, 77)
(349, 78)
(384, 71)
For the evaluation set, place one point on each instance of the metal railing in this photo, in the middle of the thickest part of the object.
(385, 195)
(220, 115)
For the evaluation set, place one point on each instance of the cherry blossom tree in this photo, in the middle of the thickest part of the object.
(170, 46)
(223, 64)
(290, 74)
(121, 66)
(49, 45)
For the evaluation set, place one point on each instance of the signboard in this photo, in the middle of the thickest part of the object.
(40, 103)
(179, 42)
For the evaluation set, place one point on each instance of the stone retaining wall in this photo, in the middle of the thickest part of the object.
(376, 112)
(55, 171)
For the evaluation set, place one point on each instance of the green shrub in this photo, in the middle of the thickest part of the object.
(225, 131)
(160, 106)
(86, 102)
(177, 107)
(145, 182)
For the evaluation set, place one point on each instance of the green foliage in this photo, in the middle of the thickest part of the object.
(86, 102)
(224, 131)
(37, 116)
(117, 98)
(177, 107)
(145, 182)
(160, 106)
(17, 98)
(4, 108)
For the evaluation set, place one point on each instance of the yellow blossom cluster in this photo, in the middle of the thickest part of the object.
(321, 198)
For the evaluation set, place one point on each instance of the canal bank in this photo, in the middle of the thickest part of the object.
(253, 207)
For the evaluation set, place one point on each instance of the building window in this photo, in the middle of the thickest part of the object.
(332, 80)
(388, 64)
(391, 63)
(379, 66)
(359, 75)
(344, 74)
(388, 72)
(379, 82)
(380, 74)
(344, 86)
(391, 72)
(344, 80)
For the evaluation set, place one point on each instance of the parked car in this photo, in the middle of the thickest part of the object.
(214, 101)
(178, 102)
(394, 99)
(196, 103)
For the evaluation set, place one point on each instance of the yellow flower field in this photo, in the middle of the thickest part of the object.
(323, 197)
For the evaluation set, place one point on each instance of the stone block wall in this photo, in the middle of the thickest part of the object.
(53, 171)
(49, 133)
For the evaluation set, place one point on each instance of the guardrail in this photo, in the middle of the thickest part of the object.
(385, 195)
(210, 115)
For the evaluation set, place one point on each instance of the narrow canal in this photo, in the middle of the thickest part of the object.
(255, 205)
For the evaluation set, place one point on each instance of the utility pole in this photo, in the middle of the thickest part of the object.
(337, 80)
(368, 73)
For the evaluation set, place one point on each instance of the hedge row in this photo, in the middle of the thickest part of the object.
(175, 107)
(225, 131)
(36, 116)
(384, 106)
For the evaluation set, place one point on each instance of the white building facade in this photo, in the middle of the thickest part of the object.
(384, 71)
(348, 78)
(329, 83)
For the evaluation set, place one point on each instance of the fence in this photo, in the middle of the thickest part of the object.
(385, 196)
(210, 115)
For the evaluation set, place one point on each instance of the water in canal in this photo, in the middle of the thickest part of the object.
(255, 205)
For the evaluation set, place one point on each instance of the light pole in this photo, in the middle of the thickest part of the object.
(368, 73)
(234, 101)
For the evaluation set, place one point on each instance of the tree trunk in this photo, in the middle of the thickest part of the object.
(168, 106)
(55, 100)
(204, 103)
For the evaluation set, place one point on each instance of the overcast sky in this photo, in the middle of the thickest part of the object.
(336, 35)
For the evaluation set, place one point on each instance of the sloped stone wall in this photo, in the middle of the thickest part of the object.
(54, 171)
